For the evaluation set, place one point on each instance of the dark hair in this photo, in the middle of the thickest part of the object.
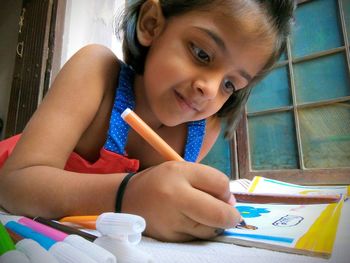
(278, 15)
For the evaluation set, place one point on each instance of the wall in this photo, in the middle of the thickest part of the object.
(9, 17)
(90, 21)
(86, 21)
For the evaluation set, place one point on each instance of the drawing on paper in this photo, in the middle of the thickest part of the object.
(251, 211)
(288, 221)
(308, 229)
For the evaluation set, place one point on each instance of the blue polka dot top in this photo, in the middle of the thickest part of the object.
(119, 129)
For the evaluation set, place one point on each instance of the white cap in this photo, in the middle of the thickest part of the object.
(92, 250)
(115, 224)
(14, 256)
(125, 112)
(124, 252)
(130, 239)
(7, 218)
(35, 252)
(65, 253)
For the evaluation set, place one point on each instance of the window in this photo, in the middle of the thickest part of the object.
(297, 125)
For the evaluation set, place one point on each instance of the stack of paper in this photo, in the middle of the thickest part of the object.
(308, 229)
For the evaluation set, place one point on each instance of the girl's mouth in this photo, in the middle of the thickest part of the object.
(184, 103)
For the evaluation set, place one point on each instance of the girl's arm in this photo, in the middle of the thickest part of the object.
(32, 181)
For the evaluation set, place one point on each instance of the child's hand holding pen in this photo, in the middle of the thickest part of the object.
(181, 201)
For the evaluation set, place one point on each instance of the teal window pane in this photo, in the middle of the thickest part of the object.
(317, 28)
(219, 156)
(346, 10)
(271, 92)
(322, 79)
(283, 57)
(325, 136)
(272, 141)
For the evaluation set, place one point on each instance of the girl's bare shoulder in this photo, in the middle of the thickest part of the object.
(91, 62)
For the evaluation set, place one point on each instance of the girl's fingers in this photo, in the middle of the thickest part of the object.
(194, 229)
(200, 231)
(211, 181)
(207, 199)
(207, 210)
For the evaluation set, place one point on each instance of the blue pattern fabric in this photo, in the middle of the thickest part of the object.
(119, 129)
(124, 98)
(195, 136)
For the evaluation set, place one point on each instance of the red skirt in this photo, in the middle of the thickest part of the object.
(109, 162)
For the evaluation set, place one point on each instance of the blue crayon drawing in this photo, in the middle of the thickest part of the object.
(250, 211)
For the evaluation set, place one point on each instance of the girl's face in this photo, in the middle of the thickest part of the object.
(196, 63)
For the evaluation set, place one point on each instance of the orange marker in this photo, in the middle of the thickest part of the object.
(84, 221)
(150, 136)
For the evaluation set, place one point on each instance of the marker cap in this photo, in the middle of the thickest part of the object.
(14, 256)
(65, 253)
(125, 112)
(35, 252)
(120, 223)
(7, 218)
(92, 250)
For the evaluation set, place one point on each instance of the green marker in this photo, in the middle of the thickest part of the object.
(6, 243)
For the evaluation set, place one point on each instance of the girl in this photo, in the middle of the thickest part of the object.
(191, 63)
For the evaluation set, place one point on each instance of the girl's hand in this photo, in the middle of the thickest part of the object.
(181, 201)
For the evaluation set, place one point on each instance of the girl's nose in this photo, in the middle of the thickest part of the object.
(207, 89)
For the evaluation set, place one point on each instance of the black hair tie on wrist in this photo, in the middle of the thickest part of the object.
(120, 193)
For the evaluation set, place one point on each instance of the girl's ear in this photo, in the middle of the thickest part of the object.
(150, 22)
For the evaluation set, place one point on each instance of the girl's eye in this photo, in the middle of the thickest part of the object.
(200, 54)
(229, 86)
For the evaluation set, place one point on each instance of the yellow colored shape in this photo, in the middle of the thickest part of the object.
(254, 183)
(321, 235)
(305, 192)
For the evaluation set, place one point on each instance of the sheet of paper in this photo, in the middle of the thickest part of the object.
(265, 185)
(305, 229)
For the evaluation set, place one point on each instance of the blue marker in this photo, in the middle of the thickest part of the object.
(61, 250)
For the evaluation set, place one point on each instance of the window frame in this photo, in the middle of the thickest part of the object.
(240, 145)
